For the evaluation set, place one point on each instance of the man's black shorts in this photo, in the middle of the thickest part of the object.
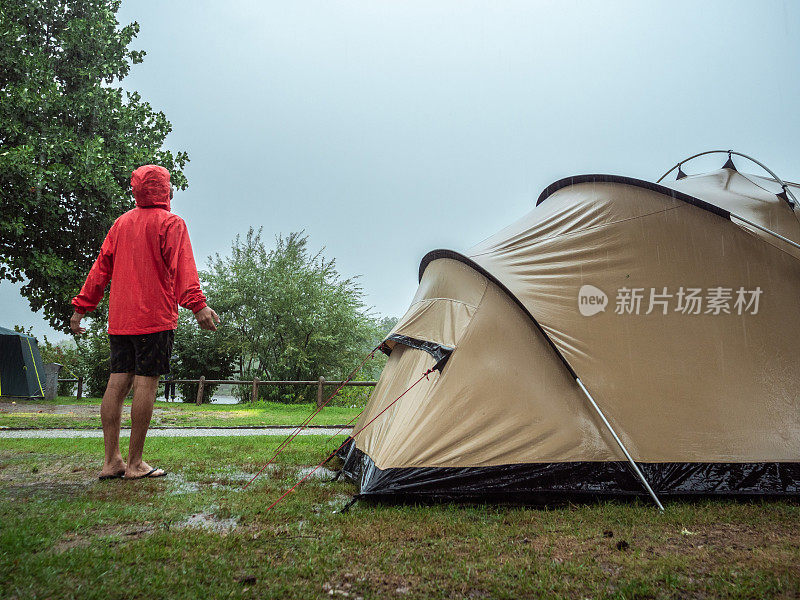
(146, 354)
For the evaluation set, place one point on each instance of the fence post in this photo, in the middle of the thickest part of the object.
(254, 396)
(80, 387)
(200, 385)
(319, 391)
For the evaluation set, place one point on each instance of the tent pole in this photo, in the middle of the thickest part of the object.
(620, 444)
(783, 183)
(765, 230)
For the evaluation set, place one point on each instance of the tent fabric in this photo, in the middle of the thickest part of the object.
(21, 369)
(683, 388)
(749, 196)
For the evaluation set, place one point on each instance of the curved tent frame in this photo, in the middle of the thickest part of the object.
(785, 185)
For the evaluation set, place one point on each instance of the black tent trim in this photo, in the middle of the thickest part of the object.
(547, 483)
(437, 351)
(648, 185)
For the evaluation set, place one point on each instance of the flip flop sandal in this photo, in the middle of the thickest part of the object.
(113, 476)
(150, 473)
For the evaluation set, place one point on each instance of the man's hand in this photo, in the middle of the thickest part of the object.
(75, 324)
(207, 318)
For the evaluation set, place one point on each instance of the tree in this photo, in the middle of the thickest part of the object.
(69, 140)
(94, 353)
(292, 314)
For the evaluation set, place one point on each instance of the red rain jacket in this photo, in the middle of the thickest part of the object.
(148, 258)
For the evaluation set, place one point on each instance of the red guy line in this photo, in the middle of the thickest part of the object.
(332, 454)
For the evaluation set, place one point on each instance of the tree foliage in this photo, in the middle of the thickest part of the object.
(69, 140)
(198, 352)
(291, 314)
(95, 357)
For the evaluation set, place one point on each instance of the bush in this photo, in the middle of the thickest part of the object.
(350, 396)
(94, 355)
(292, 315)
(200, 353)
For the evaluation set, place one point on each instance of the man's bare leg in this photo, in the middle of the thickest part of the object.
(119, 384)
(144, 396)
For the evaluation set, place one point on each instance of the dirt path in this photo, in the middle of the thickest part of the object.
(168, 432)
(78, 410)
(84, 410)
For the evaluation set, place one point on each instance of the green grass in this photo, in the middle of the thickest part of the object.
(86, 415)
(63, 535)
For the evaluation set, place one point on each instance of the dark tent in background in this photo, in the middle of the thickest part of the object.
(21, 369)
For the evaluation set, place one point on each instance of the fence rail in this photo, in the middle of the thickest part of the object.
(202, 382)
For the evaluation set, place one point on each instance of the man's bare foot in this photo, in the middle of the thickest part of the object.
(143, 470)
(113, 470)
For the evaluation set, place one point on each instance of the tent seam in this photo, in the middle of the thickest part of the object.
(448, 300)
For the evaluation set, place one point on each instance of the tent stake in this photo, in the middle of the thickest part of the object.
(620, 444)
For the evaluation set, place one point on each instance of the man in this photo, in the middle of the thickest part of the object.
(148, 258)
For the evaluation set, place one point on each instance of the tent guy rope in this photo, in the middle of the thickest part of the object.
(348, 424)
(332, 454)
(285, 443)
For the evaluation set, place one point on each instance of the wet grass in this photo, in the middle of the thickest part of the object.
(196, 534)
(86, 414)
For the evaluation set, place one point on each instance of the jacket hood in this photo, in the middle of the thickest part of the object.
(151, 187)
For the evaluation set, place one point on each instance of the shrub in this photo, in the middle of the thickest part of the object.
(197, 352)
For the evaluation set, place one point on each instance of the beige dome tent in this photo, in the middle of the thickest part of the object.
(623, 337)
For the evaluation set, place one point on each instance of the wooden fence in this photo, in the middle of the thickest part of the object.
(202, 382)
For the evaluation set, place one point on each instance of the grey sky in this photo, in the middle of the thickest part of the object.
(387, 129)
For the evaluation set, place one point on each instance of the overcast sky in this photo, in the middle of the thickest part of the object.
(387, 129)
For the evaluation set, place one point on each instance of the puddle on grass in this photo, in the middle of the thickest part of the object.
(229, 481)
(178, 484)
(283, 472)
(321, 473)
(208, 521)
(338, 502)
(234, 480)
(238, 475)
